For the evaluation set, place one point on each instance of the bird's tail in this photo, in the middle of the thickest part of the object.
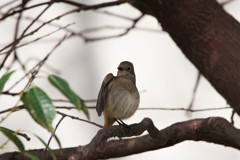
(107, 124)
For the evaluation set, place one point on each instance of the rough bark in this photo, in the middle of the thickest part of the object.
(207, 35)
(60, 154)
(214, 130)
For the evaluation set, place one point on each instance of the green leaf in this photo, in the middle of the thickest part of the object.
(40, 107)
(57, 140)
(4, 79)
(12, 136)
(84, 108)
(66, 90)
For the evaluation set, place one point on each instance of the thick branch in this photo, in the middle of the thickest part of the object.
(215, 130)
(61, 154)
(207, 35)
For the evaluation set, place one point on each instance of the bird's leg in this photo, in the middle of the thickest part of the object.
(124, 124)
(121, 123)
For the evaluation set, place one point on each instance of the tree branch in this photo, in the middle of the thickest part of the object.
(214, 130)
(61, 154)
(207, 35)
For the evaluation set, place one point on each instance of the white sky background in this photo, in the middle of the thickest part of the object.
(165, 78)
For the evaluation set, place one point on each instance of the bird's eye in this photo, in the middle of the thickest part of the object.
(128, 68)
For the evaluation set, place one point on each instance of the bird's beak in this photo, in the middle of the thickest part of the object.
(119, 68)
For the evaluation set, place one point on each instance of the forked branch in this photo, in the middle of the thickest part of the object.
(214, 130)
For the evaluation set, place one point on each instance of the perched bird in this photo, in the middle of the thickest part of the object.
(118, 97)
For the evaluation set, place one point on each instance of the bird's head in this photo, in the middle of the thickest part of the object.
(126, 68)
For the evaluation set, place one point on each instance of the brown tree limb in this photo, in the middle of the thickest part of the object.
(214, 130)
(207, 35)
(61, 154)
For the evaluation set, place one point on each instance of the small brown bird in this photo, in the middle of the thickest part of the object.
(118, 97)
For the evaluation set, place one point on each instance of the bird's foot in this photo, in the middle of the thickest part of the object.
(121, 123)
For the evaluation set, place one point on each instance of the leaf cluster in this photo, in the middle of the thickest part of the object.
(40, 106)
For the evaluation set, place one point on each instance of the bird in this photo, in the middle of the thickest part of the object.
(118, 97)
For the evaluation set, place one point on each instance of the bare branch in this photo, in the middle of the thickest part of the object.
(23, 135)
(79, 5)
(6, 15)
(7, 4)
(80, 119)
(44, 36)
(53, 133)
(114, 15)
(115, 36)
(213, 130)
(38, 66)
(218, 63)
(17, 40)
(184, 109)
(13, 47)
(194, 91)
(96, 6)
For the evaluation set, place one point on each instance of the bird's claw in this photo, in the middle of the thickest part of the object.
(121, 123)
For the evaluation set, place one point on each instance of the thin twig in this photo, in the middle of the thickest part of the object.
(23, 135)
(7, 4)
(166, 109)
(80, 119)
(185, 109)
(54, 131)
(11, 9)
(158, 108)
(79, 5)
(15, 44)
(114, 15)
(35, 19)
(118, 35)
(140, 108)
(5, 143)
(190, 106)
(37, 67)
(96, 6)
(6, 15)
(44, 36)
(13, 109)
(13, 47)
(17, 40)
(63, 100)
(95, 29)
(36, 30)
(82, 8)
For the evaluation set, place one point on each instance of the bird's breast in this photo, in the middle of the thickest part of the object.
(122, 99)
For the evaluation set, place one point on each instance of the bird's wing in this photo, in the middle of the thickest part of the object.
(101, 95)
